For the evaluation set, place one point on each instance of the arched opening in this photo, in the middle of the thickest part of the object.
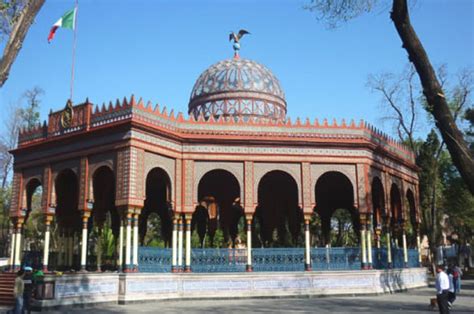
(378, 206)
(219, 208)
(104, 227)
(157, 215)
(278, 216)
(411, 221)
(68, 219)
(396, 211)
(34, 225)
(335, 206)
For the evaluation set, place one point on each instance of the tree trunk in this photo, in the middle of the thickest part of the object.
(17, 36)
(433, 92)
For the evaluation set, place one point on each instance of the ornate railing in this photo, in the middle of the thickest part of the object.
(218, 260)
(154, 260)
(272, 259)
(278, 259)
(335, 258)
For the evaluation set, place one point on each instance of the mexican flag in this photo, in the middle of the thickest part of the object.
(68, 20)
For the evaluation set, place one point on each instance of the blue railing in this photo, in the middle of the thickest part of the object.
(218, 260)
(154, 260)
(272, 259)
(278, 259)
(335, 258)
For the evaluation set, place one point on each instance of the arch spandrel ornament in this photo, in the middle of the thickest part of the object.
(203, 167)
(261, 169)
(317, 170)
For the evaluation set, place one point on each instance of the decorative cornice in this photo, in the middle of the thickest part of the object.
(222, 128)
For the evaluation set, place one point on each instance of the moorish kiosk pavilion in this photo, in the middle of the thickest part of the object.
(235, 165)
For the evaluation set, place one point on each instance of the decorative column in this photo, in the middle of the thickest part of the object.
(85, 220)
(307, 242)
(363, 240)
(128, 242)
(48, 220)
(369, 243)
(418, 243)
(405, 249)
(174, 245)
(98, 248)
(248, 219)
(135, 240)
(12, 248)
(389, 247)
(180, 244)
(120, 247)
(19, 226)
(187, 267)
(71, 249)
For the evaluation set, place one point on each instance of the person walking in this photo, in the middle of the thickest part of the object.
(28, 288)
(442, 290)
(457, 273)
(451, 290)
(18, 292)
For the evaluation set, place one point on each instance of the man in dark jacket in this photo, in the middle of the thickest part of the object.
(28, 290)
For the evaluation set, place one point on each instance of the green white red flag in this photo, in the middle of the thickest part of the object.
(68, 20)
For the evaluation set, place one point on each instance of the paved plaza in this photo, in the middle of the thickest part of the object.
(413, 301)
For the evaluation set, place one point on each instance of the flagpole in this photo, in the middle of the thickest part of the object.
(74, 50)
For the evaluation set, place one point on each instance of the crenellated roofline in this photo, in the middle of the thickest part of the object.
(87, 118)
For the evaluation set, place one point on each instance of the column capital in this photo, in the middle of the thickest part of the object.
(248, 217)
(307, 217)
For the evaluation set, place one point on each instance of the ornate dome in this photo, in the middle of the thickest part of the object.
(238, 87)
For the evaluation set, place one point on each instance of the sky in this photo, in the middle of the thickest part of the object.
(157, 49)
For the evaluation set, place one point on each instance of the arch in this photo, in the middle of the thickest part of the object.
(219, 194)
(158, 198)
(412, 212)
(395, 205)
(278, 213)
(293, 170)
(378, 203)
(334, 191)
(204, 167)
(33, 225)
(67, 197)
(317, 170)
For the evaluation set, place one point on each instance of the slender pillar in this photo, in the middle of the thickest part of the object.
(71, 250)
(249, 266)
(98, 249)
(369, 246)
(135, 242)
(307, 264)
(128, 242)
(180, 244)
(187, 267)
(60, 249)
(12, 249)
(48, 220)
(120, 248)
(389, 248)
(85, 219)
(363, 238)
(174, 245)
(405, 250)
(418, 246)
(17, 259)
(378, 233)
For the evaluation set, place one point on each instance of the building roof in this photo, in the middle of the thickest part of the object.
(238, 87)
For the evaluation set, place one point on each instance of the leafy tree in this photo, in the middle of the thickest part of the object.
(336, 11)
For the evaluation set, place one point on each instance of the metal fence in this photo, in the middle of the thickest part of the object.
(272, 259)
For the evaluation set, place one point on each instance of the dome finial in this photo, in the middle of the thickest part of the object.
(236, 38)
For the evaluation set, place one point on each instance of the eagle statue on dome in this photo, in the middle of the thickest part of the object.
(236, 38)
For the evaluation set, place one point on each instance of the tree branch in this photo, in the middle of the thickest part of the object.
(17, 36)
(433, 92)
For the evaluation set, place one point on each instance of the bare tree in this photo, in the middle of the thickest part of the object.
(16, 18)
(399, 93)
(437, 105)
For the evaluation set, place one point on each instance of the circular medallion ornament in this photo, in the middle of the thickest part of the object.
(67, 115)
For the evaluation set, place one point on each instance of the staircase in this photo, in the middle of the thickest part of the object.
(7, 281)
